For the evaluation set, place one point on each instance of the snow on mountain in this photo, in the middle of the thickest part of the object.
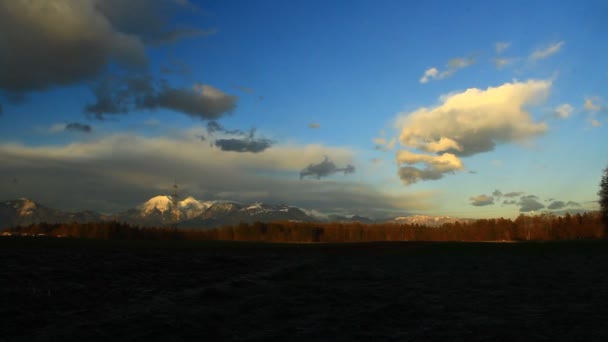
(161, 203)
(431, 221)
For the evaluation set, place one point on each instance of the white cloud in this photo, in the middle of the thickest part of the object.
(502, 47)
(429, 74)
(591, 106)
(595, 123)
(453, 65)
(564, 111)
(467, 123)
(546, 52)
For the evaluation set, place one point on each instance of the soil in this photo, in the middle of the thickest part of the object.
(82, 290)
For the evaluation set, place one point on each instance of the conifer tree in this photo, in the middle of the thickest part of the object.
(603, 194)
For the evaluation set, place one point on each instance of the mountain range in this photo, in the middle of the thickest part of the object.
(190, 213)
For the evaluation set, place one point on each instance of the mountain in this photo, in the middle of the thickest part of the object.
(25, 211)
(430, 221)
(191, 213)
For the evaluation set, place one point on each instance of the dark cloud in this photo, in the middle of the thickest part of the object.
(78, 127)
(497, 193)
(529, 203)
(473, 172)
(253, 145)
(482, 200)
(90, 34)
(509, 202)
(513, 194)
(410, 174)
(246, 141)
(324, 169)
(314, 125)
(555, 205)
(119, 95)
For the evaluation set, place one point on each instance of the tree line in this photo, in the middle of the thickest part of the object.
(543, 227)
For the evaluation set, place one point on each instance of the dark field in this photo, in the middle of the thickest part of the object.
(61, 289)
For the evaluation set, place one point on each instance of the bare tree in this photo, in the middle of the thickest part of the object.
(603, 194)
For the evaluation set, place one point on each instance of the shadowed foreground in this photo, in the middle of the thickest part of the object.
(63, 289)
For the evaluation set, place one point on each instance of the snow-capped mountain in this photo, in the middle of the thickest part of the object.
(159, 211)
(429, 221)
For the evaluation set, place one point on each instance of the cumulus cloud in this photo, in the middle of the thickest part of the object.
(123, 170)
(468, 123)
(117, 95)
(72, 41)
(529, 203)
(563, 111)
(78, 127)
(314, 125)
(453, 65)
(546, 51)
(501, 47)
(482, 200)
(513, 194)
(324, 169)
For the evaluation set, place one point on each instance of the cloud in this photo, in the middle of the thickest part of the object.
(509, 202)
(431, 73)
(590, 105)
(468, 123)
(73, 41)
(497, 193)
(503, 62)
(384, 145)
(314, 125)
(252, 145)
(558, 205)
(482, 200)
(116, 95)
(78, 127)
(529, 203)
(595, 123)
(513, 194)
(546, 51)
(453, 65)
(123, 170)
(324, 169)
(501, 47)
(176, 67)
(435, 166)
(563, 111)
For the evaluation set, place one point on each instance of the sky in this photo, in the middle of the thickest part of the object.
(380, 108)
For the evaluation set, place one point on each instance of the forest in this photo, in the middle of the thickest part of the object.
(543, 227)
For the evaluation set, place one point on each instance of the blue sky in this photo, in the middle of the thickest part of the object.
(435, 104)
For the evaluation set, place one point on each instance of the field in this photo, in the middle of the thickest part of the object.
(64, 289)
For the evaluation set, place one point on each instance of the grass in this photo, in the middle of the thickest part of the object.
(67, 289)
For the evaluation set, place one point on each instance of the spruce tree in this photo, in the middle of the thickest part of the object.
(603, 194)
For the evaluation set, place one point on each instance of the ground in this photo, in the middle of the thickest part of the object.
(63, 289)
